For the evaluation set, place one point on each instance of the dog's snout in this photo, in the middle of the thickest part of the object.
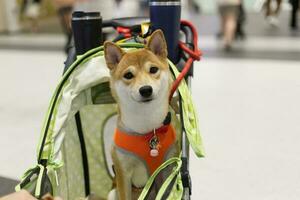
(146, 91)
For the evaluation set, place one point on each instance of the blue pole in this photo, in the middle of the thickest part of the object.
(165, 15)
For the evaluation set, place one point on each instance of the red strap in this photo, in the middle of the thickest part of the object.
(124, 31)
(158, 131)
(194, 55)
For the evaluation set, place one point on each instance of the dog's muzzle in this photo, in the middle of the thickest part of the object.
(146, 91)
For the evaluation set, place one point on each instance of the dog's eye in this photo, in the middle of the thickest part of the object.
(153, 70)
(128, 75)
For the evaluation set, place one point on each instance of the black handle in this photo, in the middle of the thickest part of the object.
(87, 30)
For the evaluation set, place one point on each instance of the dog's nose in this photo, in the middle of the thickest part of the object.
(146, 91)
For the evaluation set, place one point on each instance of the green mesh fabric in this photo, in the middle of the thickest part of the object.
(93, 120)
(70, 175)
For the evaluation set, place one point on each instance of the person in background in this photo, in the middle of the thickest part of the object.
(144, 7)
(241, 20)
(239, 32)
(192, 5)
(272, 14)
(105, 7)
(295, 7)
(31, 10)
(229, 12)
(122, 8)
(64, 11)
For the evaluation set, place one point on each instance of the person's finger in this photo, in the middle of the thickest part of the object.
(21, 195)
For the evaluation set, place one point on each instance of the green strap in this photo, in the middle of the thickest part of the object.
(190, 117)
(152, 178)
(168, 181)
(39, 169)
(52, 169)
(38, 187)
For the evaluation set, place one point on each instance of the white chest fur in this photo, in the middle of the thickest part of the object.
(143, 117)
(135, 168)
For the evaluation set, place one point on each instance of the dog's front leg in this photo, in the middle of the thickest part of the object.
(123, 176)
(123, 186)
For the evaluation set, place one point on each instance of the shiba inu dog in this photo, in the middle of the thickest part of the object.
(144, 139)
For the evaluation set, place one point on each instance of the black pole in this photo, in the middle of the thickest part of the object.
(87, 34)
(87, 30)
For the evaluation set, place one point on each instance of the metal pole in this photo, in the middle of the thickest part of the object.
(87, 30)
(165, 15)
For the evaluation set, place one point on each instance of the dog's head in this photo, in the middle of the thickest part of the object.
(140, 75)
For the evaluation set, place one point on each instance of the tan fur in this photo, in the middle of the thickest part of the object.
(139, 60)
(129, 169)
(50, 197)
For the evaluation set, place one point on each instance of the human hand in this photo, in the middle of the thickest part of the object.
(21, 195)
(24, 195)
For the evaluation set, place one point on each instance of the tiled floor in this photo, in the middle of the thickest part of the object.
(7, 185)
(247, 100)
(28, 79)
(249, 115)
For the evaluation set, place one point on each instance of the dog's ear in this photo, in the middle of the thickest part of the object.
(157, 44)
(113, 54)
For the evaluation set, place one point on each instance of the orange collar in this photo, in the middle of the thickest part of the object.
(139, 144)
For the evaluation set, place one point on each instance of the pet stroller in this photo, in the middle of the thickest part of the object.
(73, 159)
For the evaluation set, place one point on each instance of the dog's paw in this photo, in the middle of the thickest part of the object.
(112, 195)
(50, 197)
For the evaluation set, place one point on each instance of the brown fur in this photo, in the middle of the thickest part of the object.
(138, 62)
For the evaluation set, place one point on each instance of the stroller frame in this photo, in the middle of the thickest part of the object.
(126, 30)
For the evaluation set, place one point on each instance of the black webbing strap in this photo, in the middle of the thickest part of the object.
(84, 154)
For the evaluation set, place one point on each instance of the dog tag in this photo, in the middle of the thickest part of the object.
(153, 144)
(153, 152)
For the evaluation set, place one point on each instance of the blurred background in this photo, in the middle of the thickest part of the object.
(246, 89)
